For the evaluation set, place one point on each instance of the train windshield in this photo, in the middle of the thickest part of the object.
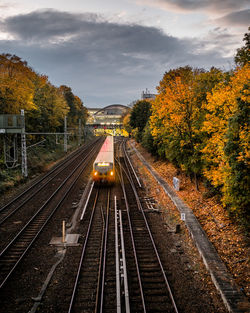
(103, 164)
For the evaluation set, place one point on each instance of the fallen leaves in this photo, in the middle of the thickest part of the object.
(226, 236)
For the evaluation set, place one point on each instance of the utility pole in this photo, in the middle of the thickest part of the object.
(65, 134)
(24, 150)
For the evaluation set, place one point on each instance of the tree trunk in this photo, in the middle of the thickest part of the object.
(196, 182)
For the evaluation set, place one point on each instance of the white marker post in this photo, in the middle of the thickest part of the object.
(176, 183)
(63, 232)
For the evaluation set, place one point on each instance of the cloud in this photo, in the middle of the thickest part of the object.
(47, 24)
(4, 6)
(220, 39)
(104, 62)
(215, 6)
(239, 18)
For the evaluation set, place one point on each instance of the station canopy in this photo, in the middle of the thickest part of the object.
(111, 114)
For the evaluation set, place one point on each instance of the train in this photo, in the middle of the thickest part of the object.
(104, 165)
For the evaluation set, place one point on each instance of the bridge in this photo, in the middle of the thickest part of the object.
(107, 119)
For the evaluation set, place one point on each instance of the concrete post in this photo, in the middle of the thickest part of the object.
(24, 149)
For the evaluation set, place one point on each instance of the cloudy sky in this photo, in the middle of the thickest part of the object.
(109, 51)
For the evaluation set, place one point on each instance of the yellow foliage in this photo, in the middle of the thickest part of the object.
(174, 108)
(221, 105)
(16, 85)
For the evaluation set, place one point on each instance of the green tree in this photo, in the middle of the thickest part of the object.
(148, 140)
(237, 191)
(226, 152)
(139, 116)
(77, 109)
(243, 54)
(51, 108)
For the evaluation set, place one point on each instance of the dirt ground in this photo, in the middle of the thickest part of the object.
(227, 237)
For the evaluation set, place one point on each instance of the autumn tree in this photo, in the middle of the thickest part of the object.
(126, 122)
(45, 105)
(178, 114)
(206, 81)
(51, 108)
(174, 117)
(77, 110)
(226, 151)
(16, 85)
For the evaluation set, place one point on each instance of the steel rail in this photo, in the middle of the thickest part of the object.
(153, 243)
(159, 261)
(132, 167)
(87, 201)
(44, 205)
(61, 169)
(102, 257)
(40, 179)
(97, 297)
(125, 275)
(25, 249)
(117, 263)
(104, 254)
(83, 254)
(132, 240)
(119, 230)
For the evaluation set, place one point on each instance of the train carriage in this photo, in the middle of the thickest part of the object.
(103, 167)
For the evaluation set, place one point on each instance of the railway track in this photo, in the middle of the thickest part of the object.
(40, 185)
(119, 268)
(120, 239)
(16, 249)
(115, 266)
(88, 291)
(149, 290)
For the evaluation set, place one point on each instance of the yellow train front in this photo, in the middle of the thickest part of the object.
(103, 167)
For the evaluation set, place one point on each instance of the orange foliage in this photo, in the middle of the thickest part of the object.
(222, 105)
(175, 113)
(16, 85)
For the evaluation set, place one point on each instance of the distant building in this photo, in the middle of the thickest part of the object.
(109, 114)
(146, 95)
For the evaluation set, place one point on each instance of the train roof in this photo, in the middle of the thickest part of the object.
(108, 144)
(106, 153)
(105, 157)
